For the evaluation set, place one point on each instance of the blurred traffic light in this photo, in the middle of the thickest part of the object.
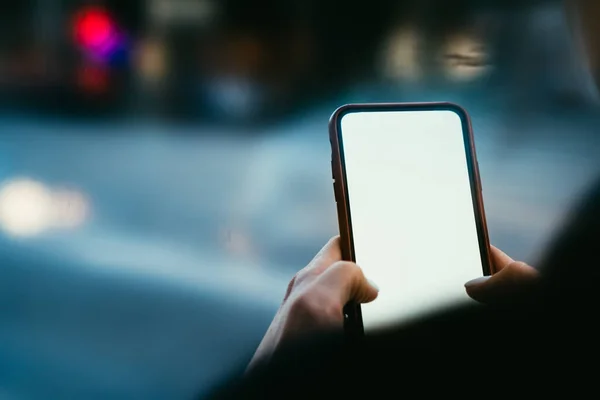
(103, 46)
(93, 27)
(96, 32)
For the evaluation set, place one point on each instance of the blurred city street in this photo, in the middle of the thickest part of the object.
(191, 241)
(165, 164)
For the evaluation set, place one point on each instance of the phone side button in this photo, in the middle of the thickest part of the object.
(332, 173)
(335, 192)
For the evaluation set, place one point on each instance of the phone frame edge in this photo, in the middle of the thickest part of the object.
(352, 312)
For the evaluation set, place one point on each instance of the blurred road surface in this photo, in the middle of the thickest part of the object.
(193, 236)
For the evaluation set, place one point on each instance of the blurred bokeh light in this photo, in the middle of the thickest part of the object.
(25, 207)
(94, 29)
(28, 208)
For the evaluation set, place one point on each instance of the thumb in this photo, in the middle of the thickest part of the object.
(346, 281)
(511, 280)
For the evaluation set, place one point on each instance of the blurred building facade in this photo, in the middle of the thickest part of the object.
(240, 60)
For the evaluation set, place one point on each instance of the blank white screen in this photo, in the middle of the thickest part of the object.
(411, 210)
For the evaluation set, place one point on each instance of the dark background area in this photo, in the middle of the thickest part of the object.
(164, 165)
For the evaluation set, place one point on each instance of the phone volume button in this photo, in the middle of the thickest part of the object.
(335, 192)
(332, 169)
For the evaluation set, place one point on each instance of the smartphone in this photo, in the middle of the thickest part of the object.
(408, 193)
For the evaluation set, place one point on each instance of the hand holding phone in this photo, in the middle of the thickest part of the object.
(410, 208)
(410, 212)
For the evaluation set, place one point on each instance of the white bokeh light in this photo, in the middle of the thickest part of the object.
(70, 209)
(401, 55)
(29, 208)
(465, 57)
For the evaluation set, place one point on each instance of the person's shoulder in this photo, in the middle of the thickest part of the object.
(572, 253)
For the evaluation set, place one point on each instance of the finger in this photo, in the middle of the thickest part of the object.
(513, 279)
(346, 281)
(327, 256)
(499, 259)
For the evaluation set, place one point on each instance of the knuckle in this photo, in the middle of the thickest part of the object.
(347, 268)
(344, 265)
(517, 275)
(301, 276)
(518, 268)
(297, 280)
(514, 266)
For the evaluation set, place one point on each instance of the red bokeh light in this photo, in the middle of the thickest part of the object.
(92, 79)
(93, 27)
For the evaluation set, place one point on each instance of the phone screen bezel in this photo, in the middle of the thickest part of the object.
(352, 312)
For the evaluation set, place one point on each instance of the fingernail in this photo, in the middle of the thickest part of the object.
(477, 281)
(373, 285)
